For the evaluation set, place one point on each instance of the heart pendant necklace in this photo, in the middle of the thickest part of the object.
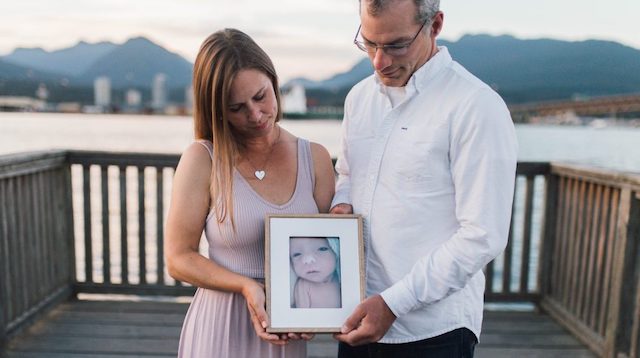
(260, 174)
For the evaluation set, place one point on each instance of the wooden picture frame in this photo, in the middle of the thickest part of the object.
(314, 271)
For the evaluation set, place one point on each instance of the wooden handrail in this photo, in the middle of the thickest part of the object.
(36, 247)
(590, 256)
(573, 248)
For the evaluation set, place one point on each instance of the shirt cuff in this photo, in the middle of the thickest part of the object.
(341, 197)
(400, 299)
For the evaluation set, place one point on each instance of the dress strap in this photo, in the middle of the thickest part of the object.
(305, 161)
(207, 144)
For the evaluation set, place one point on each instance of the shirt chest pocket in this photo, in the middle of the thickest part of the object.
(420, 166)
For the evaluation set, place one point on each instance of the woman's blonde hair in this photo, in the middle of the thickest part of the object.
(222, 55)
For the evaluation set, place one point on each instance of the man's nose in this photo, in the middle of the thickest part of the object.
(380, 59)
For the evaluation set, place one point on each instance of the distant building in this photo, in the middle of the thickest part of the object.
(133, 98)
(188, 99)
(42, 92)
(132, 101)
(102, 92)
(159, 92)
(69, 107)
(21, 104)
(294, 99)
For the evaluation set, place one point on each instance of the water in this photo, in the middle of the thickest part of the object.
(609, 147)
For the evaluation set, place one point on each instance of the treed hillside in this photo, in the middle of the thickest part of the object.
(523, 70)
(520, 70)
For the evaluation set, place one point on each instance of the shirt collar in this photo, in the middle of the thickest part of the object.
(428, 70)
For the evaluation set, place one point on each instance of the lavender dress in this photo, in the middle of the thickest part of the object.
(218, 323)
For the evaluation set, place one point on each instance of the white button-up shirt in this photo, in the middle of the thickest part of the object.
(433, 176)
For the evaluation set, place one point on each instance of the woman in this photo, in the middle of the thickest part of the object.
(242, 166)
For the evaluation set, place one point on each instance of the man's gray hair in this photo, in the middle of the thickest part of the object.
(427, 9)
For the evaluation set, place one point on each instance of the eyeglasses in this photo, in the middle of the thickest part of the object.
(399, 49)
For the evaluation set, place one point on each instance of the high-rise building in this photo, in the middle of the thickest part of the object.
(102, 92)
(159, 92)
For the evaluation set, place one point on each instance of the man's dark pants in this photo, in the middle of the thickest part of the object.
(459, 343)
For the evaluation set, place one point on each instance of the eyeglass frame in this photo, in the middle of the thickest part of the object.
(361, 45)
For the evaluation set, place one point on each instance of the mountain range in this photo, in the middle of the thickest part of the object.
(520, 70)
(528, 70)
(131, 64)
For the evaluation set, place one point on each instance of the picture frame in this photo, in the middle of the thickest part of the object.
(314, 271)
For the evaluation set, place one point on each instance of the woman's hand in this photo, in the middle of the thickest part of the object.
(253, 293)
(303, 336)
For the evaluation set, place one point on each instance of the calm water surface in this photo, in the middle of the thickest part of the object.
(611, 147)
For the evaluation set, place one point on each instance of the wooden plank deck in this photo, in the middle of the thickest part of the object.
(101, 329)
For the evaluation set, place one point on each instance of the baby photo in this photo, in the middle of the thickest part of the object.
(315, 272)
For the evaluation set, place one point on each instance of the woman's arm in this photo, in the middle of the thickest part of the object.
(324, 176)
(185, 223)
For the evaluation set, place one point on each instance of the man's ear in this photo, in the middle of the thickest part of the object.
(436, 25)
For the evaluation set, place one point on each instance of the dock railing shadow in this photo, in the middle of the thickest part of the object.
(75, 222)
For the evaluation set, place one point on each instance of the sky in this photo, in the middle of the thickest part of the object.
(311, 39)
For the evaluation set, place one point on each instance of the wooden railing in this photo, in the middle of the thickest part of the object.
(36, 238)
(119, 201)
(590, 259)
(92, 222)
(513, 276)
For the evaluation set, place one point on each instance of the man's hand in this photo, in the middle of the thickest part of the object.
(342, 209)
(368, 323)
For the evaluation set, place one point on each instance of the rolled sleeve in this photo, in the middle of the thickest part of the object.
(400, 299)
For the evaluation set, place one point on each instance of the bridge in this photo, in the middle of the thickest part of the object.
(610, 106)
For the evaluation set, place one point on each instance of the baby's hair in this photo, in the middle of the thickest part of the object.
(334, 244)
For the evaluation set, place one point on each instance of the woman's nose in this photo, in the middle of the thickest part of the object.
(308, 259)
(254, 113)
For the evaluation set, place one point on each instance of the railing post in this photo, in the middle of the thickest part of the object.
(624, 278)
(4, 241)
(634, 350)
(69, 231)
(3, 324)
(547, 244)
(629, 336)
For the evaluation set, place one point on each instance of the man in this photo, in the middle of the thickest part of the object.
(428, 159)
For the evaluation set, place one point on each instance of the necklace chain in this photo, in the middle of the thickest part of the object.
(260, 174)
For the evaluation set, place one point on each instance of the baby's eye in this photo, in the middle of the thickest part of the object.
(323, 248)
(296, 254)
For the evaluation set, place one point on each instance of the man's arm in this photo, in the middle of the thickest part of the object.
(483, 156)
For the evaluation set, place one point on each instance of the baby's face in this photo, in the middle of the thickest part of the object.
(312, 258)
